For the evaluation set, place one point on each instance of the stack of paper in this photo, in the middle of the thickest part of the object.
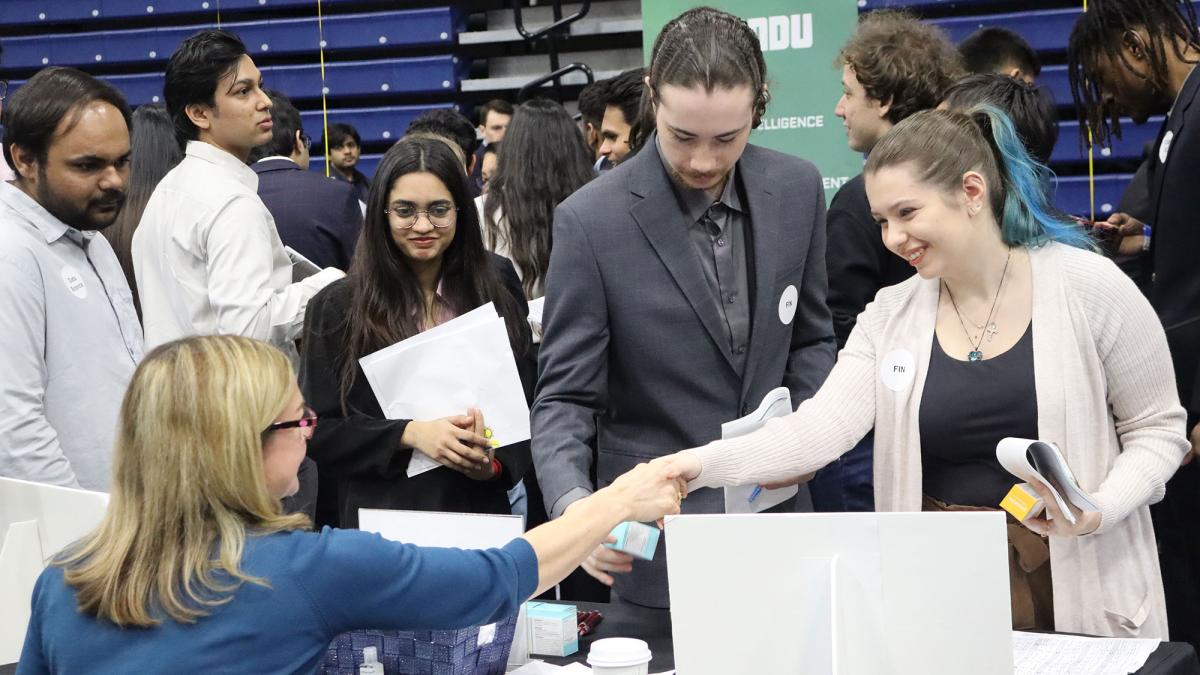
(464, 363)
(1046, 654)
(1047, 467)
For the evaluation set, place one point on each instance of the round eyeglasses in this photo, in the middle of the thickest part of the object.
(405, 216)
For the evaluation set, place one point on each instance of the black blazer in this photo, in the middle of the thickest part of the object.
(359, 457)
(318, 217)
(1175, 244)
(859, 263)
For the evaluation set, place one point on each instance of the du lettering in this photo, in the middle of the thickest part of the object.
(777, 33)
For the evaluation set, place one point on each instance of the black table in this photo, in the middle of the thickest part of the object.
(654, 626)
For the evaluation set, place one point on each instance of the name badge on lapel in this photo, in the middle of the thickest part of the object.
(1164, 148)
(787, 304)
(898, 369)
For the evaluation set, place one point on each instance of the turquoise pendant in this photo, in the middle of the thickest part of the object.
(975, 355)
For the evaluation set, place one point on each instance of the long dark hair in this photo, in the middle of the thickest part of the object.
(1102, 31)
(544, 161)
(705, 47)
(386, 304)
(153, 151)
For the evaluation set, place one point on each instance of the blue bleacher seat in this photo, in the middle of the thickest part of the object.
(24, 12)
(276, 36)
(865, 5)
(366, 163)
(1134, 138)
(1055, 80)
(373, 124)
(1072, 197)
(1044, 29)
(429, 74)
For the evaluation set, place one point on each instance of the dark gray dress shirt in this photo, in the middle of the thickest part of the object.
(718, 232)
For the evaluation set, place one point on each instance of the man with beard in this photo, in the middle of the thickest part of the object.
(71, 338)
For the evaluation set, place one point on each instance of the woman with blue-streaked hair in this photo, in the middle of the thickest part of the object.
(1012, 326)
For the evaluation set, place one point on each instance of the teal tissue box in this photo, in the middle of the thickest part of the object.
(637, 539)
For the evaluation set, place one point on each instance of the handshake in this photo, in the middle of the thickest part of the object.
(649, 492)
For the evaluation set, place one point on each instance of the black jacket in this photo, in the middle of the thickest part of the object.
(1175, 243)
(859, 264)
(318, 217)
(360, 460)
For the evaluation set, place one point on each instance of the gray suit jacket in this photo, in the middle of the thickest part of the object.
(635, 361)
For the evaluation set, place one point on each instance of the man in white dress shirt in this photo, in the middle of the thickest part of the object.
(207, 256)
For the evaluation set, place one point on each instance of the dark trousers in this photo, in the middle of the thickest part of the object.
(847, 484)
(1177, 528)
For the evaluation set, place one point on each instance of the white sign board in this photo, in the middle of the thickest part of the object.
(840, 593)
(36, 522)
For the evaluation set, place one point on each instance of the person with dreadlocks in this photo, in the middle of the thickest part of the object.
(1137, 58)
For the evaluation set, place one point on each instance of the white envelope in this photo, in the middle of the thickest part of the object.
(464, 363)
(777, 403)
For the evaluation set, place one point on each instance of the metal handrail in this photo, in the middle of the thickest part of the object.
(524, 93)
(559, 21)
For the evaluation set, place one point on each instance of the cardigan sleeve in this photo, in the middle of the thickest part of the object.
(358, 580)
(346, 443)
(1141, 392)
(821, 430)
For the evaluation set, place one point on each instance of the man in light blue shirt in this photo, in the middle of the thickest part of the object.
(71, 338)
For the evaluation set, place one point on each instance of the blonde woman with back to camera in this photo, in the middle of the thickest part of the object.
(194, 563)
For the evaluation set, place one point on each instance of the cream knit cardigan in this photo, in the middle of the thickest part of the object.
(1105, 394)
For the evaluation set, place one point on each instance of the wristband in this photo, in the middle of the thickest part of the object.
(1146, 238)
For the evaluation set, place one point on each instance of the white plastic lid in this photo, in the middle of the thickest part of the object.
(618, 652)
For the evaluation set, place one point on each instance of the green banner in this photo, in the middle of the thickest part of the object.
(800, 41)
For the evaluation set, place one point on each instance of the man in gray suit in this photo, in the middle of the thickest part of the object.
(683, 286)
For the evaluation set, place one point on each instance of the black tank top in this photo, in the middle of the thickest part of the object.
(966, 408)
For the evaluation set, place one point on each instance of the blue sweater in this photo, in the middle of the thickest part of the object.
(322, 584)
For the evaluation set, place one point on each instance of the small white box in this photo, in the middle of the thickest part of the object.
(553, 629)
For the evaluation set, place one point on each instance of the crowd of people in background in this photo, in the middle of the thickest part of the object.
(685, 271)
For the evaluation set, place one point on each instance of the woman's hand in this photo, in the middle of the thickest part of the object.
(488, 471)
(1054, 522)
(648, 492)
(452, 442)
(685, 464)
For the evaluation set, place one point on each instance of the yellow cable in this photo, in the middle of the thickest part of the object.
(1091, 164)
(324, 106)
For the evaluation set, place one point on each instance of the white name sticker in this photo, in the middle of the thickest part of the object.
(1164, 149)
(898, 369)
(787, 304)
(74, 282)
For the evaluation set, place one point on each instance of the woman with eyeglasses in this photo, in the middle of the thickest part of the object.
(194, 563)
(420, 262)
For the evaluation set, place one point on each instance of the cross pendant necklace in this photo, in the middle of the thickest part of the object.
(975, 354)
